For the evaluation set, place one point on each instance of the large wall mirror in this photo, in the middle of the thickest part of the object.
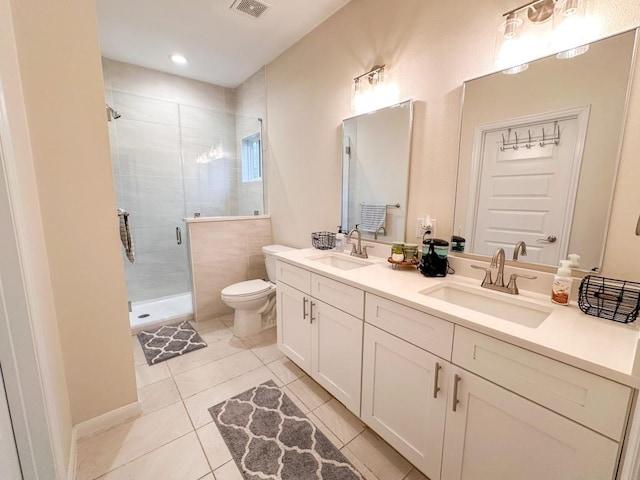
(539, 154)
(375, 172)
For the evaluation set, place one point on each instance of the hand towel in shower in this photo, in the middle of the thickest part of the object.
(125, 234)
(372, 217)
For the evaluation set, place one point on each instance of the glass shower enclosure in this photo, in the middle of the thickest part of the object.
(171, 161)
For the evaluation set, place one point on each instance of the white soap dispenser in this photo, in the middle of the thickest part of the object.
(561, 289)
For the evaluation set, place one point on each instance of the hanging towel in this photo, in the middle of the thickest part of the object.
(125, 234)
(372, 217)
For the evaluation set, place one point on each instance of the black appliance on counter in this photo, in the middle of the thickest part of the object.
(434, 261)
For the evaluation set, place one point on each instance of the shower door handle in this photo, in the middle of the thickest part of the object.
(179, 235)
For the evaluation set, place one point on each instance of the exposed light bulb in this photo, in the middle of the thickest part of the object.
(516, 69)
(573, 52)
(570, 7)
(511, 24)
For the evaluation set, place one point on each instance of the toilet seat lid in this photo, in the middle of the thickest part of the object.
(250, 287)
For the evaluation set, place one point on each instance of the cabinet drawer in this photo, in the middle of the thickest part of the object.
(294, 276)
(344, 297)
(421, 329)
(588, 399)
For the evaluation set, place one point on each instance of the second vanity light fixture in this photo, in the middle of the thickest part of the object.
(372, 90)
(537, 28)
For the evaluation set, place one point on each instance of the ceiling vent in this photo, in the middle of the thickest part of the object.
(254, 8)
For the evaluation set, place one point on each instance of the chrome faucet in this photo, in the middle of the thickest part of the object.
(358, 250)
(521, 248)
(498, 262)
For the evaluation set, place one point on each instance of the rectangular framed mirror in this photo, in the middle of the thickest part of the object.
(375, 172)
(539, 155)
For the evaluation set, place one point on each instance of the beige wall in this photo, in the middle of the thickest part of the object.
(62, 80)
(431, 48)
(224, 252)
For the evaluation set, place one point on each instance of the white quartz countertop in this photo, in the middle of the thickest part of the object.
(596, 345)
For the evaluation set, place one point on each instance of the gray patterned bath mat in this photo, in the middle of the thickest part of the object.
(169, 341)
(270, 438)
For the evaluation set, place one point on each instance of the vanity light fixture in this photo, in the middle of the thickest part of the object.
(569, 29)
(533, 30)
(177, 58)
(372, 90)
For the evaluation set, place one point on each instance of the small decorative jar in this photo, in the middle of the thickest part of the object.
(397, 251)
(410, 252)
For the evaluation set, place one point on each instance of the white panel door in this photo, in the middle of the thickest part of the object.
(9, 464)
(404, 397)
(293, 327)
(525, 193)
(497, 435)
(336, 353)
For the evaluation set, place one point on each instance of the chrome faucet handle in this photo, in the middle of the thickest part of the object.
(512, 286)
(487, 274)
(364, 250)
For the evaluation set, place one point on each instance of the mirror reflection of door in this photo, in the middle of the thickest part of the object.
(525, 188)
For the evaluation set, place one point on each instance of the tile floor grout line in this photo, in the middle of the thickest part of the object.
(218, 384)
(138, 458)
(193, 426)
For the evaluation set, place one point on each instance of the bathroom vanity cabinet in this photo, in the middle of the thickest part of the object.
(457, 403)
(325, 341)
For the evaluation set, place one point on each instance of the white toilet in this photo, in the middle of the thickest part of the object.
(254, 300)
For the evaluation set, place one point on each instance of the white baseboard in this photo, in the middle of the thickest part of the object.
(107, 420)
(73, 456)
(96, 425)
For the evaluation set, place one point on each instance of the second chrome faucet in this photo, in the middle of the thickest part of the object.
(358, 250)
(498, 262)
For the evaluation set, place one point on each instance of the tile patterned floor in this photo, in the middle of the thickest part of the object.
(176, 439)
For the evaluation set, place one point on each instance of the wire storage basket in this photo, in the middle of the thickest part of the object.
(323, 240)
(617, 300)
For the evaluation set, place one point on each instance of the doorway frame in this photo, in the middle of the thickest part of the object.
(581, 114)
(27, 311)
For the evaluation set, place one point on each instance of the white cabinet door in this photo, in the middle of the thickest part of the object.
(404, 397)
(294, 328)
(336, 356)
(497, 435)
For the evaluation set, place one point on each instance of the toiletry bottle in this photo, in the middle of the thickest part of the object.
(561, 289)
(339, 241)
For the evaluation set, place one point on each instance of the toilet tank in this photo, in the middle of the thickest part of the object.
(270, 260)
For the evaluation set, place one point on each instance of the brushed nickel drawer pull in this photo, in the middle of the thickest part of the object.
(304, 307)
(456, 380)
(436, 389)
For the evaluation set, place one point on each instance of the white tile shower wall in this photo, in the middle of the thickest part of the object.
(145, 144)
(222, 253)
(167, 124)
(251, 105)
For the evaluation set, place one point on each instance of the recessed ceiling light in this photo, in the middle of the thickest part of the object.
(177, 58)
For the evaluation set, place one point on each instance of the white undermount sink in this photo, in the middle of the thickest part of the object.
(504, 306)
(339, 260)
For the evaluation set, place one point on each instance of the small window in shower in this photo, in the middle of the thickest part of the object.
(251, 158)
